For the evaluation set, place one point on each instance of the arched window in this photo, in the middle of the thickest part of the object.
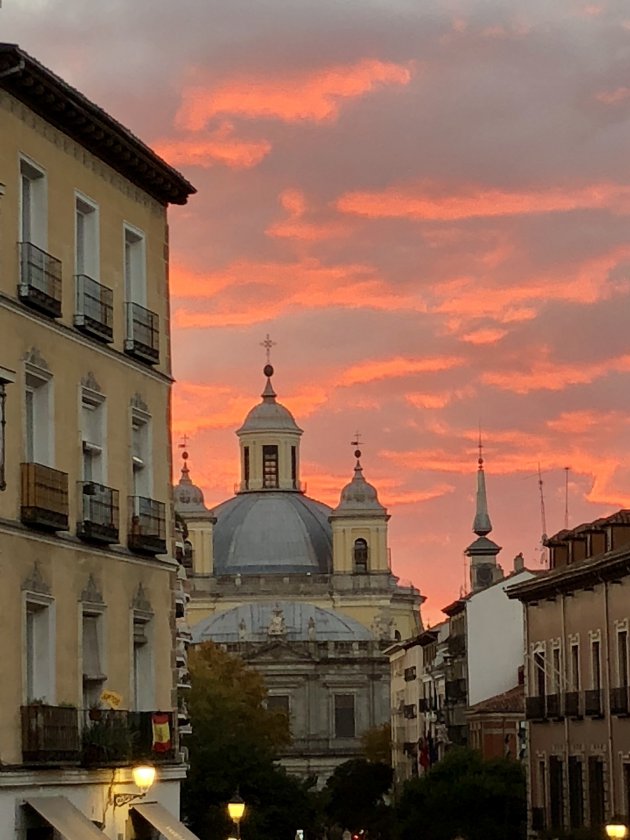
(360, 555)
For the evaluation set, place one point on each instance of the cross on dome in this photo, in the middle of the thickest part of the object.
(268, 344)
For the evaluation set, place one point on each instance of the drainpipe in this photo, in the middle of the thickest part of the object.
(606, 704)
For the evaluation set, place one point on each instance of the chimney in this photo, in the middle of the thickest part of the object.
(519, 562)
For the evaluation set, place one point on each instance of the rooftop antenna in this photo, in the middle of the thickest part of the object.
(543, 520)
(566, 498)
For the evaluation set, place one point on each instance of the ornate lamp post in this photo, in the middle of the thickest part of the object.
(236, 809)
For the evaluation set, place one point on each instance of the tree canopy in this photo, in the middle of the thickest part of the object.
(233, 746)
(463, 795)
(355, 797)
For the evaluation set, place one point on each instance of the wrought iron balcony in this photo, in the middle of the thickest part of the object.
(40, 280)
(619, 701)
(147, 526)
(593, 703)
(572, 704)
(535, 708)
(44, 501)
(50, 734)
(410, 711)
(94, 314)
(143, 337)
(554, 706)
(410, 673)
(98, 513)
(112, 736)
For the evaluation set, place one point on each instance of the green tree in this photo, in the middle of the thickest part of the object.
(234, 744)
(377, 743)
(355, 797)
(463, 795)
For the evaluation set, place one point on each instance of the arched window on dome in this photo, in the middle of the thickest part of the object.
(270, 467)
(360, 556)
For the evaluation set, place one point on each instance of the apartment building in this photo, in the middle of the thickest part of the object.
(577, 676)
(89, 584)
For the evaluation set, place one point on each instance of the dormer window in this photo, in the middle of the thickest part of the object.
(360, 556)
(270, 467)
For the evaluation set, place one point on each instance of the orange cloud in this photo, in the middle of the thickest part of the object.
(296, 226)
(312, 97)
(304, 284)
(220, 146)
(485, 336)
(435, 399)
(477, 202)
(547, 375)
(397, 367)
(612, 97)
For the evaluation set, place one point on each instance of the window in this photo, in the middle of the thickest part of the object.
(34, 214)
(596, 665)
(557, 672)
(596, 791)
(86, 256)
(38, 418)
(6, 377)
(344, 716)
(575, 666)
(246, 466)
(93, 436)
(539, 673)
(556, 792)
(142, 665)
(270, 466)
(140, 445)
(39, 649)
(135, 271)
(278, 703)
(576, 793)
(622, 658)
(92, 654)
(294, 466)
(360, 555)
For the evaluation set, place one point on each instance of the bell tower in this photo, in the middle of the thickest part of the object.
(359, 528)
(484, 569)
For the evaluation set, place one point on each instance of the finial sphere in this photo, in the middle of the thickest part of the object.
(357, 453)
(185, 455)
(268, 370)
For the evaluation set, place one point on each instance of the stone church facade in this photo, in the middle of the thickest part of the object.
(302, 592)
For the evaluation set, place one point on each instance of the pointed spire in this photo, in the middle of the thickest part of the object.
(481, 524)
(185, 476)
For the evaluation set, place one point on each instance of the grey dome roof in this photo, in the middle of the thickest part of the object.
(272, 533)
(257, 617)
(187, 497)
(269, 415)
(358, 496)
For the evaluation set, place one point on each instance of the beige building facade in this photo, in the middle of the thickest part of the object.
(86, 545)
(577, 696)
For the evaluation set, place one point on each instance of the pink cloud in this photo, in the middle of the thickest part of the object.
(220, 146)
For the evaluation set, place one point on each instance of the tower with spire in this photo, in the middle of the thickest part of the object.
(484, 569)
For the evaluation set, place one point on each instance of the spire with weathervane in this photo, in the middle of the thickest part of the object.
(484, 569)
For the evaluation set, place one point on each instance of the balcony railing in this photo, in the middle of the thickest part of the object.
(535, 708)
(619, 701)
(98, 513)
(95, 311)
(114, 736)
(143, 337)
(40, 280)
(95, 737)
(456, 645)
(554, 706)
(410, 711)
(410, 674)
(572, 704)
(147, 526)
(50, 734)
(44, 497)
(593, 703)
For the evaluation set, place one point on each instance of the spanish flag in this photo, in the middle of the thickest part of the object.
(160, 724)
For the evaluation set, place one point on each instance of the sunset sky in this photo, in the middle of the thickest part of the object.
(426, 203)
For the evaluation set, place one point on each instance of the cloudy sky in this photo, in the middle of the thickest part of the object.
(426, 203)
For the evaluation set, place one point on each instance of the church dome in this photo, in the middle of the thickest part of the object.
(187, 497)
(359, 496)
(297, 622)
(269, 415)
(272, 532)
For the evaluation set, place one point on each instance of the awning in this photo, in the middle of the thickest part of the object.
(71, 823)
(164, 821)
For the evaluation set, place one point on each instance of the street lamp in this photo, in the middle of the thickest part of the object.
(616, 828)
(143, 777)
(236, 809)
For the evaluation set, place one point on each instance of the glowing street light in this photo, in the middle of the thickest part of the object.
(236, 810)
(616, 828)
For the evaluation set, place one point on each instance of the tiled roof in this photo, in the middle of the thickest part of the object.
(512, 701)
